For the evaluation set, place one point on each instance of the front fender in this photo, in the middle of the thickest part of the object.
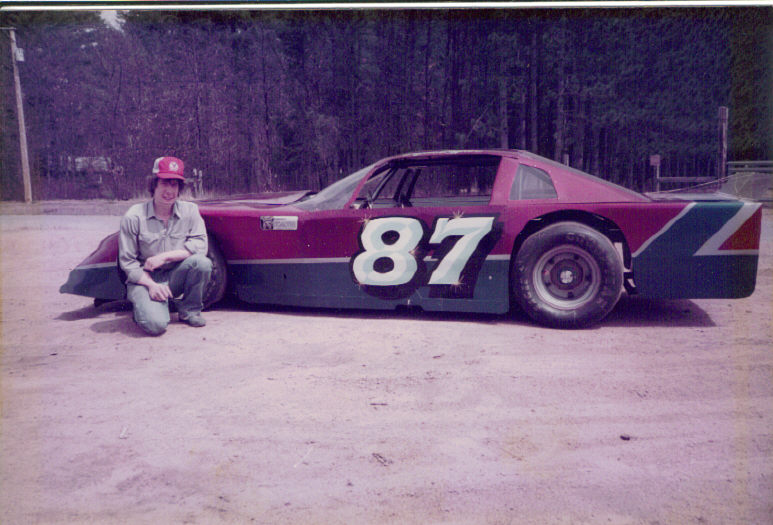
(98, 275)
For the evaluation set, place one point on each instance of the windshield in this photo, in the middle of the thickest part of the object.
(337, 194)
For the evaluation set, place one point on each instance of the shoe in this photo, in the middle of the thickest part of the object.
(196, 320)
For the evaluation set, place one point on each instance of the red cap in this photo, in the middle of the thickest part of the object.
(168, 168)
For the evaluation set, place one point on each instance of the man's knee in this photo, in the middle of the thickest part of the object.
(199, 263)
(151, 316)
(153, 326)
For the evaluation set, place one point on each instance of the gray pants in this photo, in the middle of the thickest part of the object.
(187, 279)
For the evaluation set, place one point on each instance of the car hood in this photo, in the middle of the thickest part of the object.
(256, 200)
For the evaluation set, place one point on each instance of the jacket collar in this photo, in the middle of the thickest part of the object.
(150, 210)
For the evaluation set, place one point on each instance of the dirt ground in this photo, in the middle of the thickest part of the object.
(662, 414)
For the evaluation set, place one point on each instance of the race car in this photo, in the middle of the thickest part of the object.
(467, 231)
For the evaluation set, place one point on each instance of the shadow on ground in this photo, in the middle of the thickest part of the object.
(91, 312)
(120, 322)
(629, 311)
(637, 311)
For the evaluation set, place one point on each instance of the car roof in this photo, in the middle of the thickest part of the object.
(434, 154)
(580, 190)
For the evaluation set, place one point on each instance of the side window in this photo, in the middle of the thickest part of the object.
(381, 189)
(462, 184)
(532, 183)
(370, 188)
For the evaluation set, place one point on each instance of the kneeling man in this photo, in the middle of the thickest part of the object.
(163, 251)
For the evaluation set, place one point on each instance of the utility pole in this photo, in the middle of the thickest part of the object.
(25, 161)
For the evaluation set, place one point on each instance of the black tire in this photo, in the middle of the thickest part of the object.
(218, 280)
(567, 275)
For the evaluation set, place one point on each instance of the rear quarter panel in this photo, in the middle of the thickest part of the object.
(709, 249)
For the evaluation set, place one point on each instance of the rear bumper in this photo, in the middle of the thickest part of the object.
(728, 277)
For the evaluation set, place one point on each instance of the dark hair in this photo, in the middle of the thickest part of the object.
(153, 183)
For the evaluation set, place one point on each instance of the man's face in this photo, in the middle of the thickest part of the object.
(166, 192)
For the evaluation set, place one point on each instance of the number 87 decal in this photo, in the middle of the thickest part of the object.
(392, 251)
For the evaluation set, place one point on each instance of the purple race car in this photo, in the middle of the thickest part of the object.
(473, 231)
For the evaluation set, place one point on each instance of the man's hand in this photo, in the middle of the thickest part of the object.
(156, 291)
(159, 291)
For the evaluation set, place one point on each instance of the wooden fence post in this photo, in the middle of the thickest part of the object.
(198, 175)
(655, 162)
(722, 161)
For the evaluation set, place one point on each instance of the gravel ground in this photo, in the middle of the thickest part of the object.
(661, 414)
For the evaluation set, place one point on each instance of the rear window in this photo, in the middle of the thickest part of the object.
(532, 183)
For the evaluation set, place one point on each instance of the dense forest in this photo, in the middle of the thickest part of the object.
(259, 100)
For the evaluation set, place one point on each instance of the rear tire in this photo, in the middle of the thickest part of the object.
(567, 275)
(215, 289)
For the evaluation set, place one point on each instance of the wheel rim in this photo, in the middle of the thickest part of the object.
(214, 278)
(566, 277)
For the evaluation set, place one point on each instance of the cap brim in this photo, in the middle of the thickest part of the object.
(170, 176)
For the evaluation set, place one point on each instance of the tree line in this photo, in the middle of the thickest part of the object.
(267, 100)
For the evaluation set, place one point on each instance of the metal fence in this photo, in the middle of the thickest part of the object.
(746, 179)
(751, 179)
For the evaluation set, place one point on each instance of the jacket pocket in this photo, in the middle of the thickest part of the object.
(149, 242)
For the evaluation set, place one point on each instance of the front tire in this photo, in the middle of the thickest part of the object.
(567, 275)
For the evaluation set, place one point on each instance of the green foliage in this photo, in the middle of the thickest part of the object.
(751, 111)
(267, 100)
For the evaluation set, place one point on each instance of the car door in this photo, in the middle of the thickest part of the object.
(418, 231)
